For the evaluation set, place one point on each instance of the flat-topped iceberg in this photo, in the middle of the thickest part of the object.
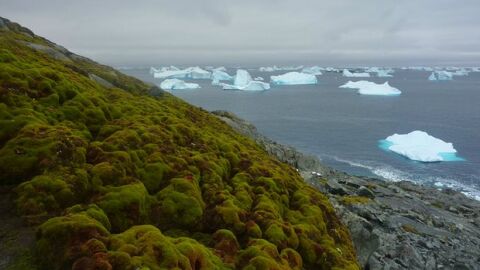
(315, 70)
(371, 88)
(294, 78)
(441, 75)
(347, 73)
(176, 84)
(418, 145)
(243, 81)
(188, 73)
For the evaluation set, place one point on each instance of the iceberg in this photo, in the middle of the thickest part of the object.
(259, 79)
(440, 76)
(275, 68)
(347, 73)
(218, 75)
(315, 70)
(176, 84)
(243, 81)
(188, 73)
(371, 88)
(381, 72)
(420, 146)
(460, 72)
(294, 78)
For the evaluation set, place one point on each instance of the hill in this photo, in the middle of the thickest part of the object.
(112, 173)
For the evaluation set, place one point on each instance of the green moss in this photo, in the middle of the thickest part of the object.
(349, 200)
(102, 161)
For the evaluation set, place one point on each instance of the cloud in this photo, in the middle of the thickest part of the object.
(279, 31)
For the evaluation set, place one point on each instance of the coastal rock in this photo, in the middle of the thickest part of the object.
(402, 226)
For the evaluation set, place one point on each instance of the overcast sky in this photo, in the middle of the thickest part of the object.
(341, 32)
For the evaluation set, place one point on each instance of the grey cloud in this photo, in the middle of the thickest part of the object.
(157, 32)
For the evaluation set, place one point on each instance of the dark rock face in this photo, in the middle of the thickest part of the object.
(393, 225)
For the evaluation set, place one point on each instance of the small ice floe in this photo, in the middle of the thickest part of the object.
(259, 79)
(294, 78)
(176, 84)
(441, 75)
(243, 81)
(371, 88)
(418, 145)
(347, 73)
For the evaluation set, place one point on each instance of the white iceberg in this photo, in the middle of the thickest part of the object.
(315, 70)
(381, 72)
(441, 76)
(188, 73)
(259, 79)
(243, 81)
(176, 84)
(418, 145)
(460, 72)
(218, 75)
(275, 68)
(293, 78)
(371, 88)
(347, 73)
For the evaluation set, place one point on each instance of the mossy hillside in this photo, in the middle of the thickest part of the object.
(136, 181)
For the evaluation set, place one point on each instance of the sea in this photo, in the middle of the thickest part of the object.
(343, 128)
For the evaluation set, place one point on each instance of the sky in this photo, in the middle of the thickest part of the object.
(258, 32)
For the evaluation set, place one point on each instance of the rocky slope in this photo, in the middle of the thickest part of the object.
(393, 225)
(110, 177)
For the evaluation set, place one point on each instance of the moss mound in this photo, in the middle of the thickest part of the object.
(123, 180)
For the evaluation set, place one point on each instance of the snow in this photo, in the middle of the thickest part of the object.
(315, 70)
(420, 146)
(293, 78)
(347, 73)
(441, 76)
(371, 88)
(188, 73)
(176, 84)
(243, 81)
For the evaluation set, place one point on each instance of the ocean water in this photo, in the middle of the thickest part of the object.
(344, 128)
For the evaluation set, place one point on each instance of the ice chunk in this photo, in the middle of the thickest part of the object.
(381, 72)
(176, 84)
(460, 72)
(259, 79)
(275, 68)
(243, 81)
(188, 73)
(293, 78)
(218, 75)
(371, 88)
(440, 76)
(418, 145)
(347, 73)
(315, 70)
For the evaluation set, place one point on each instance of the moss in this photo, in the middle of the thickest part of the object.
(100, 161)
(349, 200)
(125, 206)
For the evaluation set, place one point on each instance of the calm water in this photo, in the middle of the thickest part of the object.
(343, 128)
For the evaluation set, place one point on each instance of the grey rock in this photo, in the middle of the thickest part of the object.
(49, 51)
(365, 192)
(100, 81)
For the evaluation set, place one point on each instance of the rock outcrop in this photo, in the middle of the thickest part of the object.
(394, 225)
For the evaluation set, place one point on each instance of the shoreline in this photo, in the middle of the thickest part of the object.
(394, 225)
